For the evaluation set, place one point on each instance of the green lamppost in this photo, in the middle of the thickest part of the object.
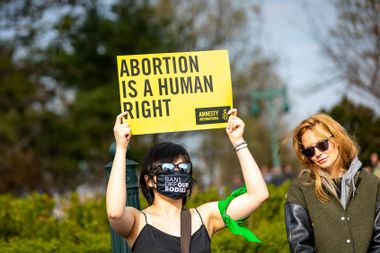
(269, 98)
(119, 245)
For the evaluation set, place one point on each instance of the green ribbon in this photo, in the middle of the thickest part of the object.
(236, 227)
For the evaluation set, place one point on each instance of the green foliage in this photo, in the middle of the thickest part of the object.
(58, 83)
(75, 53)
(198, 198)
(360, 122)
(41, 126)
(33, 211)
(27, 225)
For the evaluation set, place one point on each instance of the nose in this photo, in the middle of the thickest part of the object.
(318, 153)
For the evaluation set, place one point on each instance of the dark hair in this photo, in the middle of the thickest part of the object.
(158, 153)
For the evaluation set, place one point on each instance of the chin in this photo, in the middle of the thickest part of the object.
(326, 165)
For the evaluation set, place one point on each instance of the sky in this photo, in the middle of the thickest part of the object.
(302, 65)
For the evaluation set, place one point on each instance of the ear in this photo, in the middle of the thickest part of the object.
(149, 181)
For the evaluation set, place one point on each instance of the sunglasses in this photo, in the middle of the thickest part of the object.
(321, 146)
(168, 168)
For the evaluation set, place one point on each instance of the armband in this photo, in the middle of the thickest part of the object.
(236, 227)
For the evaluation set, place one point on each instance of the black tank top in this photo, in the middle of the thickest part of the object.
(153, 240)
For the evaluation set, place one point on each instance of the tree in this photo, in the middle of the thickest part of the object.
(66, 85)
(67, 51)
(360, 122)
(258, 75)
(18, 127)
(353, 45)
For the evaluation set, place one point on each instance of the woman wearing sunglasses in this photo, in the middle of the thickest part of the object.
(334, 205)
(166, 182)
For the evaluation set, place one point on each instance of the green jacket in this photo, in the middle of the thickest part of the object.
(336, 229)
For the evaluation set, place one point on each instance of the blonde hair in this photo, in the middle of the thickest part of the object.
(347, 149)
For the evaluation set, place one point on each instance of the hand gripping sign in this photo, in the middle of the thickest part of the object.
(173, 92)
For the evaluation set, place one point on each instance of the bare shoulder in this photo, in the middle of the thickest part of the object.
(137, 216)
(208, 209)
(132, 210)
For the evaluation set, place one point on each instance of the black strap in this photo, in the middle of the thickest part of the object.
(199, 215)
(146, 218)
(185, 230)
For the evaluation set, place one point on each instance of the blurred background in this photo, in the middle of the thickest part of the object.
(59, 97)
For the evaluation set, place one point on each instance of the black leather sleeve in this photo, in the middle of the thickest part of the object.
(298, 229)
(375, 242)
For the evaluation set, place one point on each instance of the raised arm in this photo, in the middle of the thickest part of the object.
(257, 191)
(120, 217)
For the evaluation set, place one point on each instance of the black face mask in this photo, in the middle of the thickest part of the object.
(174, 186)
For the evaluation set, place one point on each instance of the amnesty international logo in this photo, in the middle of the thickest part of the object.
(211, 115)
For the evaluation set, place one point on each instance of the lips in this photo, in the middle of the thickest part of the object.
(321, 161)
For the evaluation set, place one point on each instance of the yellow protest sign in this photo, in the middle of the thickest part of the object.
(172, 92)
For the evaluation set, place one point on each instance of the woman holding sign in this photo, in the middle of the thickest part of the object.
(166, 182)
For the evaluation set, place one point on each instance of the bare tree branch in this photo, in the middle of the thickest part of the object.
(353, 45)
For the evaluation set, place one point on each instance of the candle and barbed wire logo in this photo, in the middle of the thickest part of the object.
(225, 115)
